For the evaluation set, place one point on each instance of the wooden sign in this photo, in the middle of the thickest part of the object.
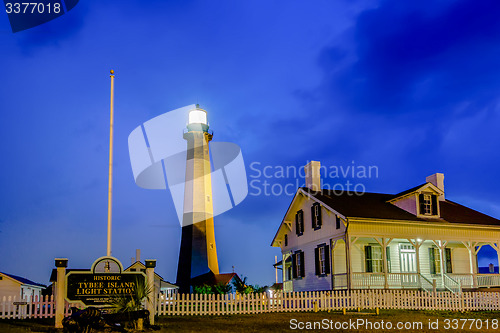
(101, 288)
(104, 283)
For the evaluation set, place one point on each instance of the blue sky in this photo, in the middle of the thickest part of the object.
(410, 87)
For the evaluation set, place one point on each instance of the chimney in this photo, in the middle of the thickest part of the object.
(313, 177)
(437, 180)
(138, 255)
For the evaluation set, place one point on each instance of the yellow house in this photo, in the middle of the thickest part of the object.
(18, 288)
(414, 239)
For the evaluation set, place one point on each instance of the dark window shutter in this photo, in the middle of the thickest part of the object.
(337, 222)
(432, 262)
(316, 260)
(301, 221)
(434, 205)
(297, 230)
(368, 259)
(388, 257)
(302, 265)
(327, 259)
(294, 266)
(447, 252)
(286, 239)
(421, 202)
(318, 218)
(314, 222)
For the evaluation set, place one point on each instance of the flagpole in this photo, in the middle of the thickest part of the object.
(110, 183)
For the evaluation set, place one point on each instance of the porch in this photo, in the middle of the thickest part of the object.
(397, 263)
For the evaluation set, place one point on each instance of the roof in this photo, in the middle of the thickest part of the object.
(375, 206)
(410, 190)
(379, 206)
(279, 263)
(212, 279)
(23, 280)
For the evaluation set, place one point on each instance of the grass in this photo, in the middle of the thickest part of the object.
(280, 322)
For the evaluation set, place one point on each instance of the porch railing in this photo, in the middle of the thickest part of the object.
(426, 284)
(451, 284)
(377, 280)
(482, 280)
(403, 280)
(466, 279)
(488, 280)
(367, 280)
(340, 281)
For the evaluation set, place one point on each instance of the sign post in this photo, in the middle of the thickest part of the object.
(151, 304)
(61, 265)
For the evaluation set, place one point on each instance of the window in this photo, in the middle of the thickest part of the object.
(316, 216)
(322, 259)
(286, 240)
(299, 223)
(428, 204)
(435, 260)
(447, 255)
(374, 262)
(337, 222)
(298, 264)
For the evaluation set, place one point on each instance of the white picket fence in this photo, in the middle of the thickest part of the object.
(196, 304)
(34, 307)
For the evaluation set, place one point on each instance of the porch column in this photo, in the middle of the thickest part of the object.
(496, 246)
(283, 269)
(471, 247)
(384, 242)
(285, 256)
(416, 244)
(348, 260)
(333, 245)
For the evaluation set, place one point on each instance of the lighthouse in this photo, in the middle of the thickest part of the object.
(198, 253)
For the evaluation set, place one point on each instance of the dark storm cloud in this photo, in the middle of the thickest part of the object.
(419, 56)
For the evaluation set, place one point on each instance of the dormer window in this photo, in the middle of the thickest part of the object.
(428, 204)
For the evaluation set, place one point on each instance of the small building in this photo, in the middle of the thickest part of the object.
(18, 287)
(413, 239)
(162, 287)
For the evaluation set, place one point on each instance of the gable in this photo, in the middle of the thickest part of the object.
(136, 267)
(287, 222)
(410, 200)
(299, 202)
(427, 187)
